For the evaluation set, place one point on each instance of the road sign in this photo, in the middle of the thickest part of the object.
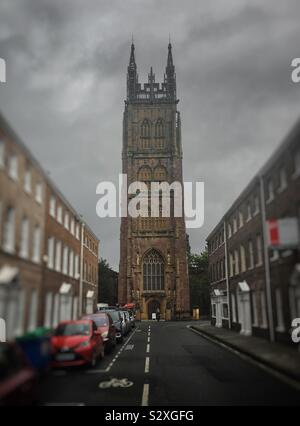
(283, 233)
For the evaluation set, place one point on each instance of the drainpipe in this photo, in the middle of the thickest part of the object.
(267, 259)
(227, 276)
(81, 271)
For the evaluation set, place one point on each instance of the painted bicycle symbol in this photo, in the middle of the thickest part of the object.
(116, 383)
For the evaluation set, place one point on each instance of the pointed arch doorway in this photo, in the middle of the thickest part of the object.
(153, 305)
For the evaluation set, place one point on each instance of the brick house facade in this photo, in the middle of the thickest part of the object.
(42, 251)
(254, 292)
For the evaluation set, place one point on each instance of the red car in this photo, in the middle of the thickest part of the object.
(18, 380)
(77, 343)
(106, 327)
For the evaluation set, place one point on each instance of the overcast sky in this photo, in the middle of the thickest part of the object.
(67, 63)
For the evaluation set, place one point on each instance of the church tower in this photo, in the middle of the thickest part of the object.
(153, 262)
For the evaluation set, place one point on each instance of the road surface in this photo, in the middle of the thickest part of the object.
(166, 364)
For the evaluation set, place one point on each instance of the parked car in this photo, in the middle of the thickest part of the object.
(77, 343)
(118, 323)
(18, 380)
(126, 321)
(106, 327)
(132, 318)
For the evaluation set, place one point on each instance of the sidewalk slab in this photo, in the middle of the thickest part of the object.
(275, 355)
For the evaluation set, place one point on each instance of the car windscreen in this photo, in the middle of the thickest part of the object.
(115, 316)
(78, 329)
(100, 321)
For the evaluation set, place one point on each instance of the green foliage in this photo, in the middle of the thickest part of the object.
(108, 284)
(199, 282)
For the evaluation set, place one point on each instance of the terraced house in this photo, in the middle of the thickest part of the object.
(43, 245)
(254, 251)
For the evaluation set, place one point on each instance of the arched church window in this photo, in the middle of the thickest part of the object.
(145, 174)
(159, 129)
(154, 272)
(160, 174)
(145, 129)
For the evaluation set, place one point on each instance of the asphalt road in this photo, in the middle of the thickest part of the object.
(166, 364)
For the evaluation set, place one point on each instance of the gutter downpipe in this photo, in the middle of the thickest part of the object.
(266, 259)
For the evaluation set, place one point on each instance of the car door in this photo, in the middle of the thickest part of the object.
(96, 338)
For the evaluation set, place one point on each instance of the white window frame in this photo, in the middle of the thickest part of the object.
(59, 214)
(65, 260)
(2, 154)
(58, 256)
(36, 251)
(50, 252)
(13, 166)
(67, 221)
(27, 181)
(52, 207)
(9, 234)
(24, 238)
(39, 192)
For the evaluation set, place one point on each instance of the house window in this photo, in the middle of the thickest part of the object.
(72, 227)
(154, 272)
(78, 232)
(9, 231)
(58, 256)
(27, 181)
(59, 214)
(229, 231)
(259, 250)
(36, 251)
(241, 219)
(2, 154)
(249, 212)
(51, 253)
(282, 180)
(236, 262)
(256, 205)
(71, 264)
(77, 275)
(24, 241)
(39, 193)
(243, 259)
(67, 221)
(251, 255)
(13, 167)
(65, 260)
(270, 191)
(235, 227)
(52, 206)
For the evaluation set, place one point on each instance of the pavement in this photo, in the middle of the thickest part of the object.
(281, 358)
(168, 364)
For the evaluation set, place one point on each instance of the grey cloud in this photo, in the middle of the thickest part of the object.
(67, 62)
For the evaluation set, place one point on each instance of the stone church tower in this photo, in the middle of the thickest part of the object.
(153, 263)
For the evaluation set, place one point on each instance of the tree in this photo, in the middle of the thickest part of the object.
(199, 281)
(108, 284)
